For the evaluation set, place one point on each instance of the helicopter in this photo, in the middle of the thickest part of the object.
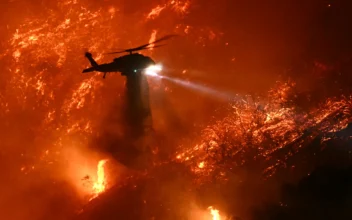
(127, 64)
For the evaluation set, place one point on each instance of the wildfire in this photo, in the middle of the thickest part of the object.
(181, 7)
(99, 185)
(48, 105)
(214, 213)
(152, 38)
(155, 12)
(42, 59)
(259, 130)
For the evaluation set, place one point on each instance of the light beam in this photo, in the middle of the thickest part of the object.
(201, 88)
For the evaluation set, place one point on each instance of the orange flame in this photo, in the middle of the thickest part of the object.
(214, 213)
(155, 12)
(152, 38)
(100, 185)
(261, 122)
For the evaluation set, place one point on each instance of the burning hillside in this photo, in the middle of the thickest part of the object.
(53, 118)
(256, 141)
(261, 129)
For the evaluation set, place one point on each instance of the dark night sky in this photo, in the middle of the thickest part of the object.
(269, 37)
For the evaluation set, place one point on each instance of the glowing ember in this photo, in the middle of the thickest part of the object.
(100, 184)
(201, 165)
(155, 12)
(180, 7)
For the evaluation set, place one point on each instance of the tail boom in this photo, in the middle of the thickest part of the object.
(91, 60)
(91, 69)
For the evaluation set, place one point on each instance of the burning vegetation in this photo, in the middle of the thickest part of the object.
(54, 120)
(267, 130)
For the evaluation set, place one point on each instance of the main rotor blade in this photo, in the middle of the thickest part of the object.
(147, 48)
(131, 50)
(164, 38)
(123, 51)
(156, 41)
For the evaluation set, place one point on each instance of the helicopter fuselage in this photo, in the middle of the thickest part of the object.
(126, 64)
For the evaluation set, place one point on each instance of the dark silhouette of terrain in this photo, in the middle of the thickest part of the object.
(324, 194)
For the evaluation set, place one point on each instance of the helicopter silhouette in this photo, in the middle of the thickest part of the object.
(127, 64)
(135, 138)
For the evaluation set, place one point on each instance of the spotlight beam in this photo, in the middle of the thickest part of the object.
(201, 88)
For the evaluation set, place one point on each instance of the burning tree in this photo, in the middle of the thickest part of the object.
(264, 133)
